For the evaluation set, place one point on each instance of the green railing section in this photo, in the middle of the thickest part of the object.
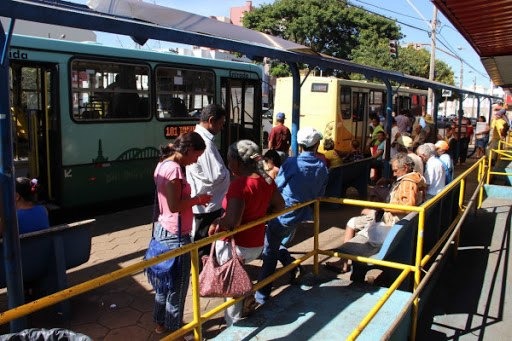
(416, 269)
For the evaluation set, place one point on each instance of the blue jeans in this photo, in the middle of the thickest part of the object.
(169, 306)
(276, 236)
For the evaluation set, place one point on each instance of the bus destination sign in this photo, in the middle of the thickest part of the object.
(172, 132)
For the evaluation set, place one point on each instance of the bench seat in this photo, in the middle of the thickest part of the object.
(47, 254)
(398, 246)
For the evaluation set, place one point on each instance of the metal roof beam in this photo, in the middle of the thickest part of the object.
(78, 16)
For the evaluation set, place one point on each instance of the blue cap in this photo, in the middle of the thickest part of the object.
(280, 116)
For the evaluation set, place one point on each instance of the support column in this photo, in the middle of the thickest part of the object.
(295, 107)
(8, 220)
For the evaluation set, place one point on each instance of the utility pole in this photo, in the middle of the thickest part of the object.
(461, 83)
(431, 74)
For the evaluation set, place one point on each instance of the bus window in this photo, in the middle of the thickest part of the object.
(376, 101)
(182, 93)
(359, 105)
(345, 103)
(402, 102)
(242, 100)
(106, 90)
(417, 103)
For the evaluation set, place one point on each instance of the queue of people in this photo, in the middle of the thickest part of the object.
(259, 185)
(198, 196)
(421, 170)
(211, 200)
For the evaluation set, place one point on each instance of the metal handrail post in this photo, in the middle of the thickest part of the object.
(481, 174)
(417, 270)
(196, 302)
(316, 240)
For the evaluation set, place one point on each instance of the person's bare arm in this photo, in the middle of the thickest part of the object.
(231, 219)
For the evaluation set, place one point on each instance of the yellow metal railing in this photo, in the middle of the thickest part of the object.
(198, 319)
(504, 152)
(420, 259)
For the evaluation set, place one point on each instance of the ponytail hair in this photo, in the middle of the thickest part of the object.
(27, 188)
(182, 144)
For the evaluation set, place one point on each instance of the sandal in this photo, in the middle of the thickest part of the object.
(160, 329)
(250, 306)
(333, 266)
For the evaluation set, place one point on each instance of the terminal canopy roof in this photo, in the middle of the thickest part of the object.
(143, 21)
(486, 26)
(185, 21)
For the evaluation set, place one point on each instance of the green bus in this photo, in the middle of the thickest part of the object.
(88, 119)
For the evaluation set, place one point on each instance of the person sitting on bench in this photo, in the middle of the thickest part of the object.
(365, 234)
(31, 217)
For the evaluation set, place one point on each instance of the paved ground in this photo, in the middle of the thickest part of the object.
(123, 310)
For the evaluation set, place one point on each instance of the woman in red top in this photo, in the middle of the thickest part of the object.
(251, 195)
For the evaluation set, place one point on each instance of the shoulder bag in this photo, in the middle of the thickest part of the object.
(227, 280)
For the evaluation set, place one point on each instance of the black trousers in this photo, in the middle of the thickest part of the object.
(203, 222)
(459, 152)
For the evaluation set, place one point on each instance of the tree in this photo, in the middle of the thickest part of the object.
(337, 29)
(417, 63)
(327, 26)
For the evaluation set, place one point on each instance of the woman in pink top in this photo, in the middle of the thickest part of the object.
(174, 224)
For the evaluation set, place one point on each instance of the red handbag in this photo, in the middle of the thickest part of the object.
(227, 280)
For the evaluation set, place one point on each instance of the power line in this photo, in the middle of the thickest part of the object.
(444, 43)
(449, 48)
(385, 17)
(388, 10)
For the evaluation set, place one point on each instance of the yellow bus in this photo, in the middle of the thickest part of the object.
(340, 109)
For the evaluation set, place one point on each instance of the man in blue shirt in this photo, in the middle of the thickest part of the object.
(300, 179)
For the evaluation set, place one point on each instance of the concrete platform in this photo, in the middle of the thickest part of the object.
(472, 300)
(326, 309)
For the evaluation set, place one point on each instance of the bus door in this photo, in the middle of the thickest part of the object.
(242, 100)
(360, 116)
(33, 98)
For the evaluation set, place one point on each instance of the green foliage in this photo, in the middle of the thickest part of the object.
(417, 63)
(279, 69)
(337, 29)
(327, 26)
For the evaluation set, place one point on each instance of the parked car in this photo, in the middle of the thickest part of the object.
(267, 113)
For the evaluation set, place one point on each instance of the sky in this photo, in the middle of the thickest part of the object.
(413, 16)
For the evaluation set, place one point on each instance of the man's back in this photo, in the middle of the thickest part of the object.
(435, 176)
(300, 179)
(280, 138)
